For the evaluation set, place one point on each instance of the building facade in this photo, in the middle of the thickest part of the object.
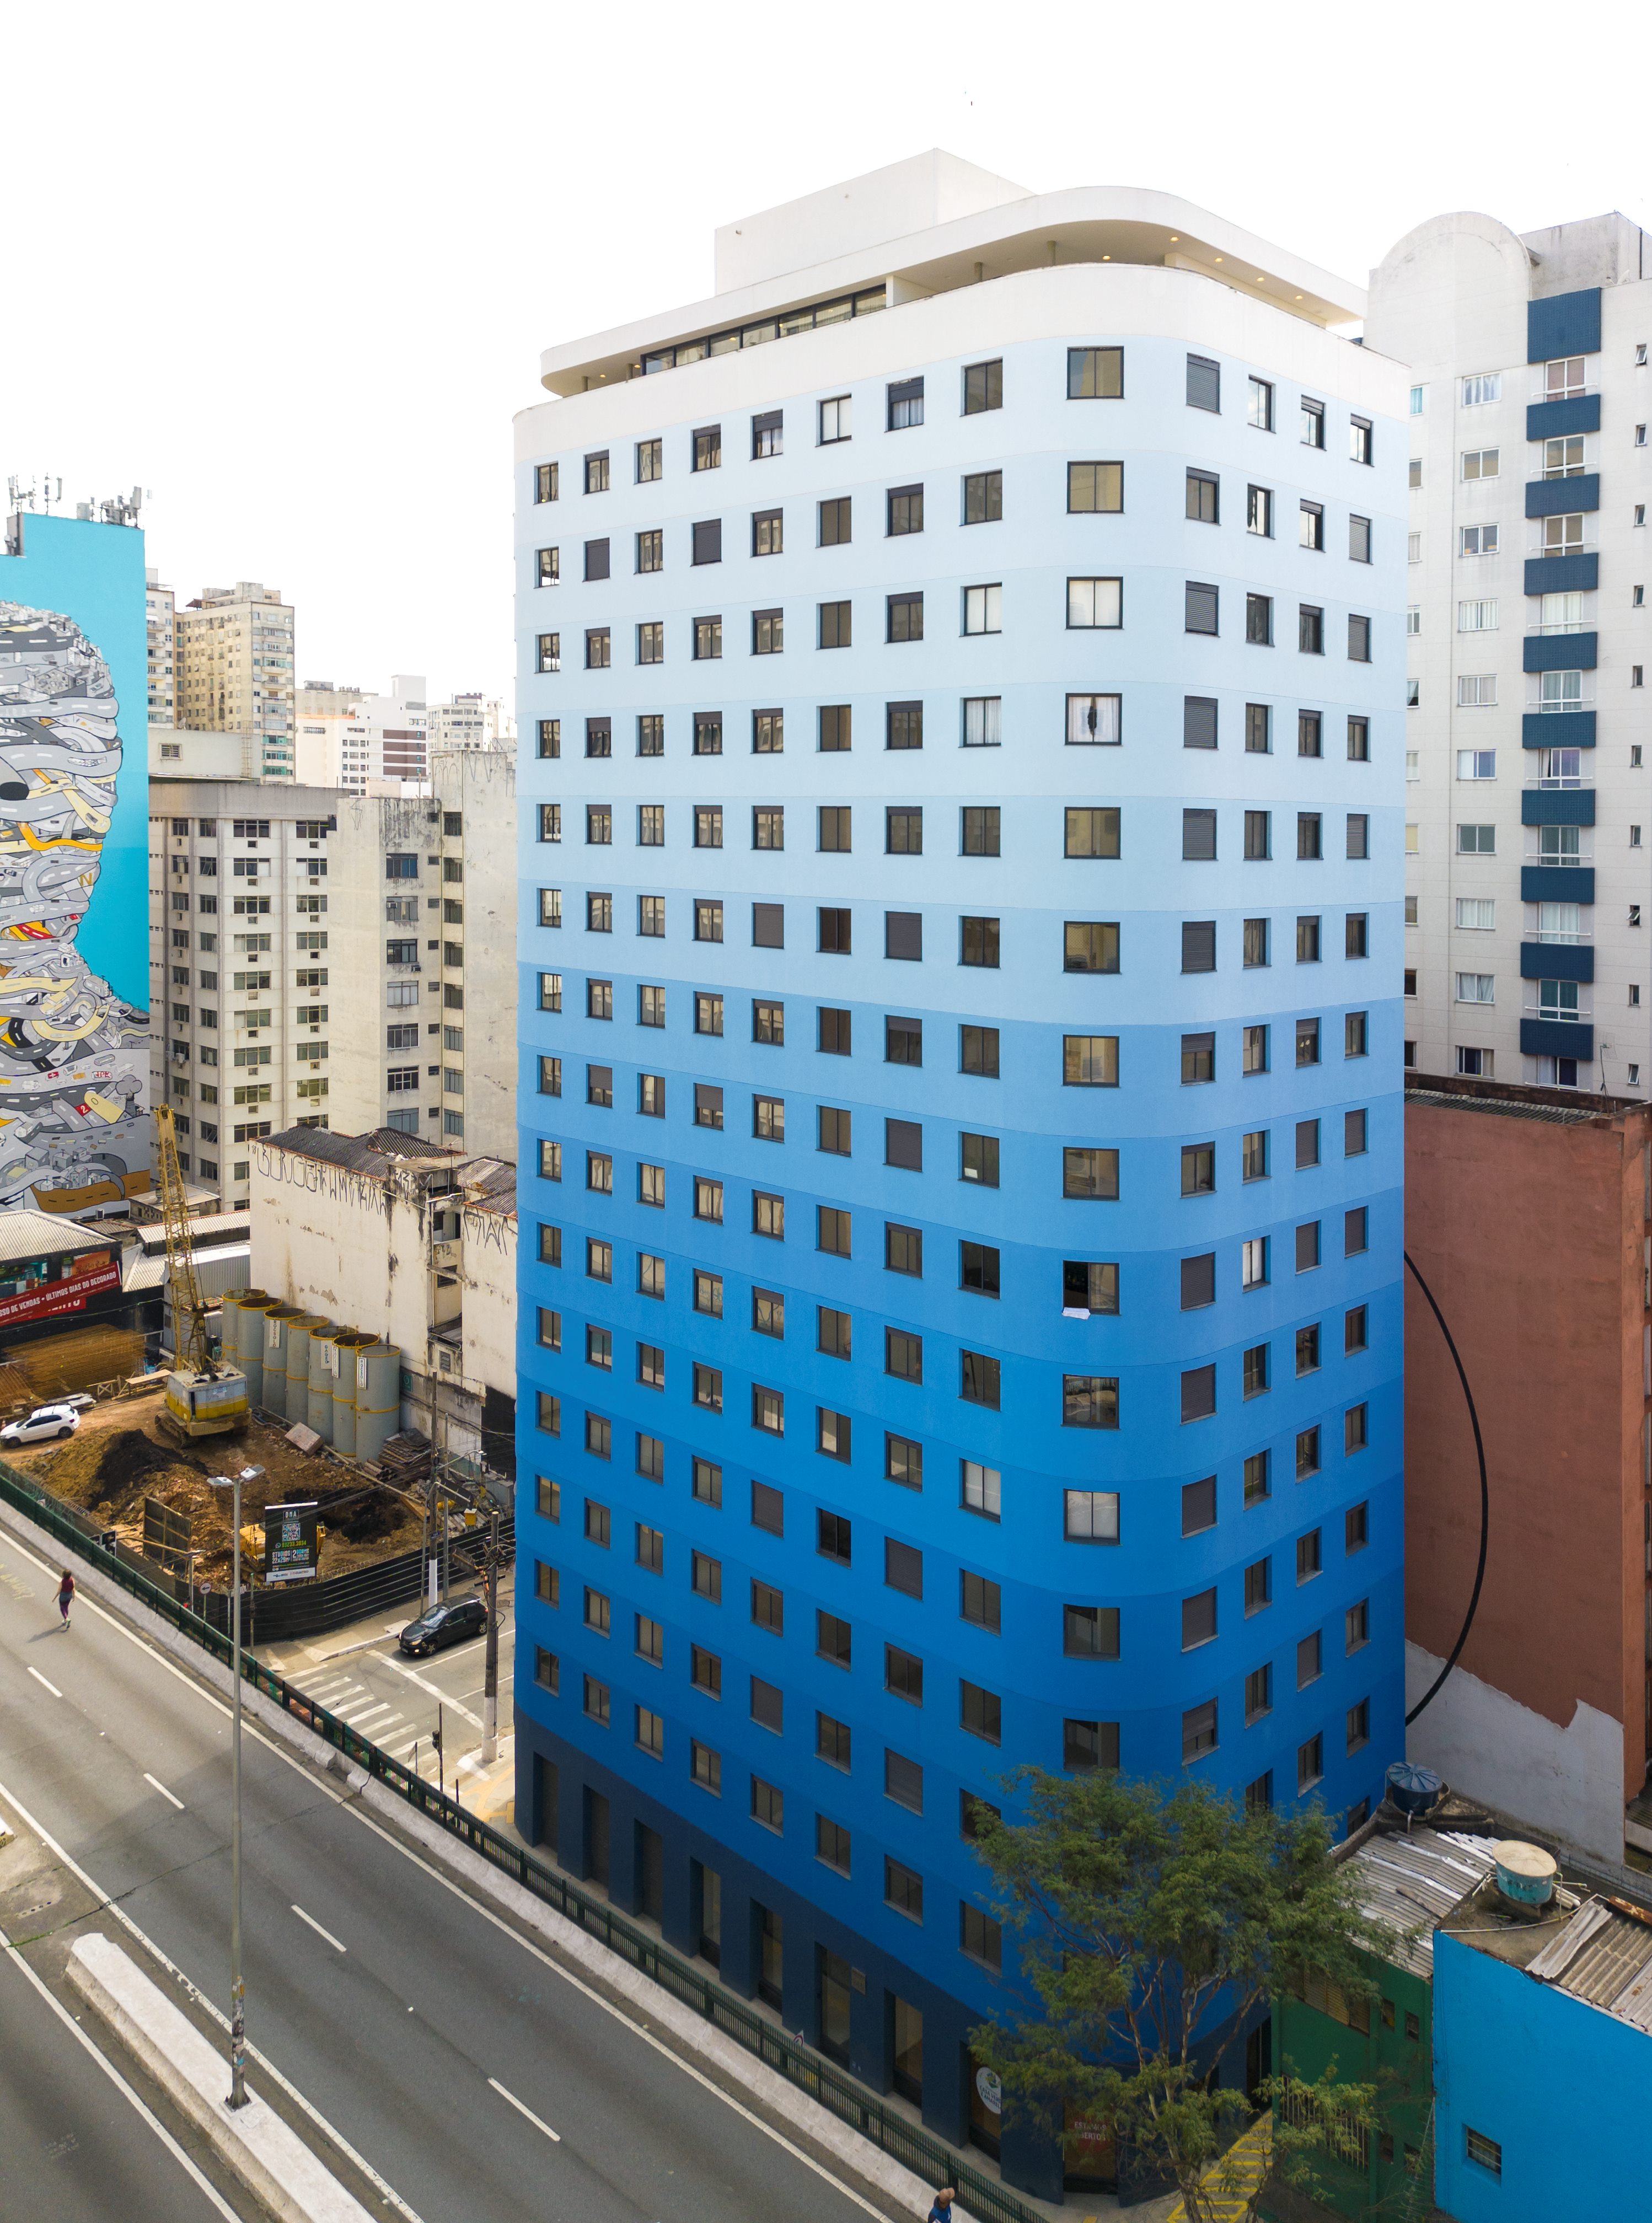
(1529, 812)
(961, 1326)
(1549, 1713)
(234, 670)
(370, 744)
(160, 609)
(311, 963)
(471, 722)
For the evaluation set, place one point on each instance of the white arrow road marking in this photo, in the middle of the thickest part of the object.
(162, 1789)
(319, 1931)
(555, 2136)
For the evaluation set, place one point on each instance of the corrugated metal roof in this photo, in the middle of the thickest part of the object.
(213, 1228)
(375, 1152)
(1605, 1957)
(144, 1273)
(26, 1234)
(1410, 1883)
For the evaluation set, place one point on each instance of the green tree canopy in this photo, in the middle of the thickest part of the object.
(1153, 1922)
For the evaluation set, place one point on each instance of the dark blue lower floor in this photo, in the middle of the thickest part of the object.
(832, 1987)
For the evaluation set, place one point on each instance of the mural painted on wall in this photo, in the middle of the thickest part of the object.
(74, 1057)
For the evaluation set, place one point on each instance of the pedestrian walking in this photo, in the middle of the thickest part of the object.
(66, 1595)
(941, 2212)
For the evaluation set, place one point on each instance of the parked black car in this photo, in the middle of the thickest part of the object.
(439, 1625)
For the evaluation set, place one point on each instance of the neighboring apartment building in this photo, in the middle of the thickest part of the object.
(961, 1308)
(1549, 1713)
(161, 607)
(471, 722)
(309, 962)
(1528, 801)
(366, 743)
(234, 670)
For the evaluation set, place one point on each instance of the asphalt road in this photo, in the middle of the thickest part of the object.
(79, 2145)
(393, 1699)
(429, 2034)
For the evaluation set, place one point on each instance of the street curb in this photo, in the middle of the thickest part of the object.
(274, 2165)
(679, 2029)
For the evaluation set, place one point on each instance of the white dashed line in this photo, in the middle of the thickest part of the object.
(319, 1931)
(156, 1786)
(52, 1687)
(554, 2136)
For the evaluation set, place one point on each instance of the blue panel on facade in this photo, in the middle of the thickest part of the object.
(1560, 652)
(1557, 729)
(1560, 497)
(1549, 421)
(1557, 1038)
(1557, 806)
(1557, 884)
(1563, 575)
(1557, 961)
(1565, 324)
(878, 1384)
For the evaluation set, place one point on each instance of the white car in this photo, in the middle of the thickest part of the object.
(43, 1424)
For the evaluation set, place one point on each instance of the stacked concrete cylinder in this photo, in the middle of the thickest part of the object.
(252, 1307)
(299, 1334)
(276, 1320)
(327, 1359)
(378, 1398)
(350, 1344)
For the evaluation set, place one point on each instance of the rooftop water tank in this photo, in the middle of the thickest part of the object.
(1526, 1873)
(1413, 1790)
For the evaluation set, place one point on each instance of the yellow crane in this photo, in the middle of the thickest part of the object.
(205, 1397)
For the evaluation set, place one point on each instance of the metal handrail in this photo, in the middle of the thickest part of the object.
(914, 2148)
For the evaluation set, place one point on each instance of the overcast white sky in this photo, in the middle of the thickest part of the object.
(291, 266)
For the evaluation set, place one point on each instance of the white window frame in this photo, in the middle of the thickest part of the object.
(1479, 614)
(1477, 914)
(1480, 387)
(1486, 464)
(1477, 988)
(1482, 764)
(1477, 691)
(1486, 539)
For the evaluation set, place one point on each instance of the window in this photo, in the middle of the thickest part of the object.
(1199, 835)
(1260, 404)
(1089, 1174)
(983, 609)
(1478, 841)
(1198, 722)
(983, 388)
(1310, 1764)
(1090, 1061)
(547, 479)
(1092, 720)
(905, 403)
(904, 726)
(768, 633)
(983, 498)
(1198, 945)
(708, 639)
(1484, 2153)
(1258, 620)
(1095, 373)
(978, 1051)
(1310, 524)
(1203, 497)
(1253, 1263)
(834, 419)
(904, 617)
(1359, 540)
(1310, 630)
(1090, 1516)
(1199, 1730)
(1094, 488)
(903, 510)
(1259, 835)
(978, 1159)
(1563, 458)
(1201, 607)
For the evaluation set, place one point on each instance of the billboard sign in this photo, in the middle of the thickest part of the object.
(46, 1299)
(290, 1543)
(74, 1051)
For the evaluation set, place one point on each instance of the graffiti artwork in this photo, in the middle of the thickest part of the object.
(75, 1058)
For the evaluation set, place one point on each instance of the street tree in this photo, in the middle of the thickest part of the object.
(1153, 1922)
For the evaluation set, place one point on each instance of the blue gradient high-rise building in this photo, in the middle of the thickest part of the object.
(961, 691)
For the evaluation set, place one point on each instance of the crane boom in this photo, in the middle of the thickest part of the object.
(188, 1312)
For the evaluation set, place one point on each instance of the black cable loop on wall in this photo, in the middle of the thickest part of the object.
(1432, 1691)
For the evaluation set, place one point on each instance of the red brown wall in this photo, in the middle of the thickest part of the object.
(1528, 1231)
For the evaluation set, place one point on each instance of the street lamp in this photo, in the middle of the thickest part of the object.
(237, 1987)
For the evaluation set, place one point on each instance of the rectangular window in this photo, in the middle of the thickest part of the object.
(983, 387)
(547, 481)
(905, 398)
(1198, 945)
(1258, 620)
(1260, 404)
(904, 726)
(983, 609)
(1095, 489)
(596, 473)
(1310, 630)
(834, 419)
(904, 511)
(1095, 373)
(903, 617)
(1204, 383)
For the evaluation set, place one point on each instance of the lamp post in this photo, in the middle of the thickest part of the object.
(237, 1987)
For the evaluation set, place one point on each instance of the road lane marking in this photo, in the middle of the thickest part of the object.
(554, 2136)
(357, 1715)
(319, 1931)
(437, 1691)
(380, 2184)
(162, 1789)
(52, 1687)
(9, 1951)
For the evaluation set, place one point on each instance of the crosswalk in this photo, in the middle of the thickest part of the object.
(352, 1702)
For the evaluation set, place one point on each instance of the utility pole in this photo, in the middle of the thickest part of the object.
(490, 1670)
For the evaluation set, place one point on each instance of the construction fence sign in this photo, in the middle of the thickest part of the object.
(290, 1543)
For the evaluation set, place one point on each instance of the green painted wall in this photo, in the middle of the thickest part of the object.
(1396, 2055)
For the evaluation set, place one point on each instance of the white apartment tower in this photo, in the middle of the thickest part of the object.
(1528, 910)
(234, 670)
(360, 742)
(161, 614)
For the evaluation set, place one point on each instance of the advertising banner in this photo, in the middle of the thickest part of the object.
(290, 1543)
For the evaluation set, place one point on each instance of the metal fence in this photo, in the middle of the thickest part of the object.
(916, 2148)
